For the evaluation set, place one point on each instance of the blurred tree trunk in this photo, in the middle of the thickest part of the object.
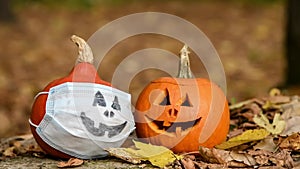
(6, 13)
(293, 43)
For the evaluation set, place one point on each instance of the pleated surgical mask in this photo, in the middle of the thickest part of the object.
(84, 119)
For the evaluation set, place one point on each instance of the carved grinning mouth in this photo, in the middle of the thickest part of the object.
(100, 131)
(172, 128)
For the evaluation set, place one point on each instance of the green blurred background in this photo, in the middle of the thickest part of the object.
(35, 49)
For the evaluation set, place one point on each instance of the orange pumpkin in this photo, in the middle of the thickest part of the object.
(182, 113)
(83, 71)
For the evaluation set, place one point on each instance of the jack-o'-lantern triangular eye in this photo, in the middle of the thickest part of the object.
(166, 100)
(99, 100)
(186, 101)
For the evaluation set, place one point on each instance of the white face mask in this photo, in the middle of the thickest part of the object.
(83, 119)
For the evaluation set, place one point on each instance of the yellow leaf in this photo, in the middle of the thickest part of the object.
(245, 137)
(157, 155)
(276, 127)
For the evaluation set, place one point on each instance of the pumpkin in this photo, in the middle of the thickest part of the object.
(182, 113)
(83, 71)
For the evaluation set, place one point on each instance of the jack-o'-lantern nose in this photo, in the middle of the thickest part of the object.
(109, 114)
(173, 112)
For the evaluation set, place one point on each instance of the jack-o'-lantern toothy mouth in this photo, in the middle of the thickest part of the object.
(173, 129)
(102, 129)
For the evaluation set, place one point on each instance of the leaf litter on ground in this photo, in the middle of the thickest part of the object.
(265, 132)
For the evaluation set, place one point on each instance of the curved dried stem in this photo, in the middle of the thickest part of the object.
(184, 64)
(85, 53)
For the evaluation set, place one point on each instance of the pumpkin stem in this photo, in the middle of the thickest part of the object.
(184, 64)
(85, 53)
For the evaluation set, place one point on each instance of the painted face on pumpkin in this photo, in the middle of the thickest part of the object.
(108, 111)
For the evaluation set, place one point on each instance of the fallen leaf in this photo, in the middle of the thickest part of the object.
(245, 137)
(270, 105)
(246, 102)
(280, 158)
(72, 162)
(9, 152)
(123, 154)
(188, 163)
(201, 164)
(18, 145)
(228, 158)
(157, 155)
(240, 104)
(292, 126)
(283, 159)
(279, 99)
(292, 142)
(276, 127)
(235, 132)
(266, 144)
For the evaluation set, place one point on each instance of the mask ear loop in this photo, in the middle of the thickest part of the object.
(35, 97)
(40, 93)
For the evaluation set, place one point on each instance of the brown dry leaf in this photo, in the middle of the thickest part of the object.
(266, 158)
(261, 156)
(240, 104)
(283, 159)
(246, 103)
(9, 152)
(292, 126)
(72, 162)
(278, 99)
(266, 144)
(188, 163)
(235, 132)
(292, 142)
(20, 145)
(201, 164)
(291, 114)
(124, 155)
(228, 158)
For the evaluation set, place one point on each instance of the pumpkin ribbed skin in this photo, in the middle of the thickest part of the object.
(190, 141)
(82, 72)
(182, 113)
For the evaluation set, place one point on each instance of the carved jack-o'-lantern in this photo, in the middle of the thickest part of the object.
(182, 113)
